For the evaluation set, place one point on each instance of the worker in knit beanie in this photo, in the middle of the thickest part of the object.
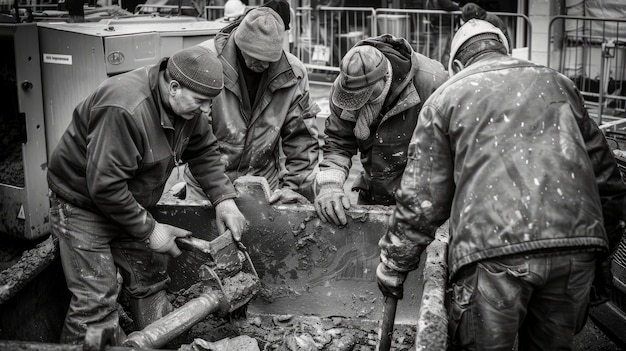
(260, 34)
(264, 118)
(109, 169)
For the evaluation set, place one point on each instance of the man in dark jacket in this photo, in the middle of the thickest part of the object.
(265, 110)
(374, 105)
(111, 166)
(506, 150)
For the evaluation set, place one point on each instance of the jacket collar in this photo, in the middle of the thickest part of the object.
(280, 74)
(153, 79)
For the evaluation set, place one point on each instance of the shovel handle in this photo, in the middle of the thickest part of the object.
(191, 243)
(386, 327)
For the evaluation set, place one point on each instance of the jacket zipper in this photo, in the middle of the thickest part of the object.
(175, 150)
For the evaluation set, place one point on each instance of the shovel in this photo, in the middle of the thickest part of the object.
(385, 334)
(231, 282)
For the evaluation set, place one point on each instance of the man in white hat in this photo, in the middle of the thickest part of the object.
(374, 105)
(507, 152)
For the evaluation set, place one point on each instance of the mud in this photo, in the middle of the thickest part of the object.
(26, 268)
(239, 289)
(289, 332)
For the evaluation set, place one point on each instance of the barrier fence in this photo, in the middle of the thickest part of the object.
(320, 37)
(592, 52)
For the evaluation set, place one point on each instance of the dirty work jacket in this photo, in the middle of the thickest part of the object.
(120, 148)
(507, 151)
(384, 153)
(282, 120)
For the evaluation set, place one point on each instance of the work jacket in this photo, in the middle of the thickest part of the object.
(121, 146)
(506, 150)
(252, 136)
(384, 153)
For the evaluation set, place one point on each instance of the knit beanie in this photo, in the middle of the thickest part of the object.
(260, 34)
(197, 68)
(282, 8)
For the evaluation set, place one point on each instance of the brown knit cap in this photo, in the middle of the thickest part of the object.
(197, 68)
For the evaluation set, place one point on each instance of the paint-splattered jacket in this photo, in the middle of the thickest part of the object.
(384, 153)
(506, 150)
(120, 148)
(250, 137)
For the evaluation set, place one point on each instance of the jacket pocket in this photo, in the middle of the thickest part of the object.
(461, 323)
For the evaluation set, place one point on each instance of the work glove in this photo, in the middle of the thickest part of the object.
(602, 283)
(162, 239)
(390, 281)
(228, 216)
(331, 201)
(287, 196)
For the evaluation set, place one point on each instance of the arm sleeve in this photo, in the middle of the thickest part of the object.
(611, 187)
(204, 159)
(424, 199)
(300, 142)
(340, 143)
(113, 156)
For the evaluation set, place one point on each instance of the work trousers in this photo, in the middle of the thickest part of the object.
(543, 300)
(92, 248)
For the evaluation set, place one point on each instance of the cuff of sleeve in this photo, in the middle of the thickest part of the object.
(331, 176)
(224, 197)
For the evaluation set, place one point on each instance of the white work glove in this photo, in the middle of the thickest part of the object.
(228, 216)
(331, 201)
(287, 196)
(162, 239)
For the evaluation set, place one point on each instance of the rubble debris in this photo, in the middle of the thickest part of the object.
(31, 263)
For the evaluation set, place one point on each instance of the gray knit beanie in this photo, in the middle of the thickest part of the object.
(260, 34)
(197, 68)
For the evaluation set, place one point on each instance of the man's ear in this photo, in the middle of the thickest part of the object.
(174, 87)
(457, 67)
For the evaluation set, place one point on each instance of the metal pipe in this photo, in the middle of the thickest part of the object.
(176, 322)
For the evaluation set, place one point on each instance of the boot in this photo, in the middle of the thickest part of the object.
(149, 309)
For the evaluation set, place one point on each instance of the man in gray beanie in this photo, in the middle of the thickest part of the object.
(109, 169)
(264, 111)
(374, 105)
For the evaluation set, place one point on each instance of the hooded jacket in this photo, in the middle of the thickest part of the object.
(252, 135)
(121, 146)
(384, 153)
(506, 150)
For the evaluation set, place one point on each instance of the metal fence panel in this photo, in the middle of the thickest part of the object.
(592, 52)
